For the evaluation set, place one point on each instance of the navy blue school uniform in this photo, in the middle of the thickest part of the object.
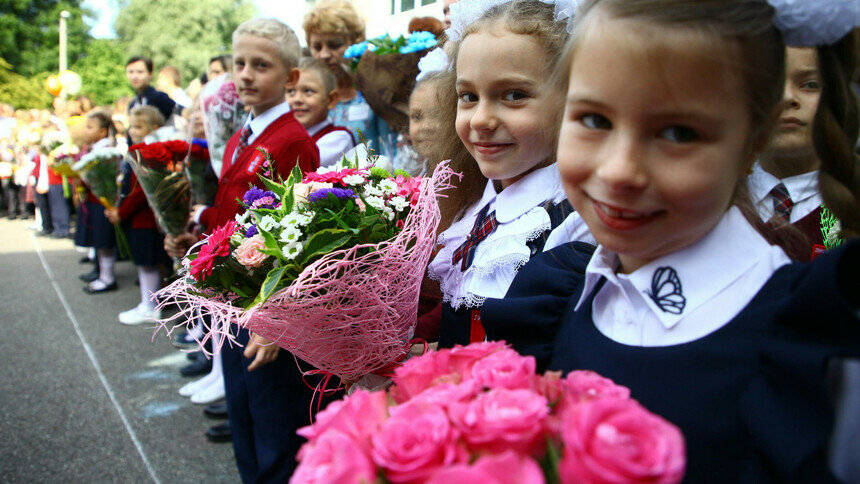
(153, 97)
(749, 392)
(482, 252)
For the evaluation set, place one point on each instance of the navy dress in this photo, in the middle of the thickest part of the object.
(750, 397)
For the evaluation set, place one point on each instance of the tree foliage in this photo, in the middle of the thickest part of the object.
(102, 71)
(30, 34)
(21, 91)
(182, 34)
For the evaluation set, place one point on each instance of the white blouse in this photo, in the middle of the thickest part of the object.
(685, 295)
(803, 190)
(522, 218)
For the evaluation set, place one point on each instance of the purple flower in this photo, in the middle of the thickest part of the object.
(255, 194)
(264, 202)
(252, 231)
(322, 194)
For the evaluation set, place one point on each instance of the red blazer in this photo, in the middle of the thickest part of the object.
(331, 129)
(53, 178)
(285, 139)
(136, 208)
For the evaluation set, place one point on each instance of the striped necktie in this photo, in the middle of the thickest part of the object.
(782, 204)
(243, 139)
(485, 225)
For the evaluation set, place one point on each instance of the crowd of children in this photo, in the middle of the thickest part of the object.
(649, 189)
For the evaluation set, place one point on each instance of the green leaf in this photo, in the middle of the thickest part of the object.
(238, 291)
(323, 242)
(276, 188)
(288, 200)
(271, 243)
(269, 285)
(296, 176)
(341, 223)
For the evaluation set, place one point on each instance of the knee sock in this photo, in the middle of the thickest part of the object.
(106, 263)
(149, 279)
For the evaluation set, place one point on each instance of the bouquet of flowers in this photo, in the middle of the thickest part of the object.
(159, 170)
(480, 414)
(63, 159)
(385, 73)
(223, 115)
(201, 176)
(98, 169)
(327, 265)
(53, 140)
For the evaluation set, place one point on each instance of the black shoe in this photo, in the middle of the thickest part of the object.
(11, 216)
(89, 276)
(219, 433)
(199, 367)
(60, 236)
(110, 287)
(217, 411)
(85, 260)
(194, 355)
(44, 233)
(184, 341)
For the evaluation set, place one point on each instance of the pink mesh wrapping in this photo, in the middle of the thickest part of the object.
(346, 314)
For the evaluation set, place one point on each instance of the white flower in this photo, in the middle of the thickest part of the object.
(834, 234)
(328, 169)
(373, 191)
(389, 214)
(354, 180)
(267, 223)
(242, 218)
(388, 186)
(376, 202)
(295, 220)
(399, 203)
(237, 238)
(291, 234)
(291, 251)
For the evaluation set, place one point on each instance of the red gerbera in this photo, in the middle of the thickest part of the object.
(217, 245)
(333, 176)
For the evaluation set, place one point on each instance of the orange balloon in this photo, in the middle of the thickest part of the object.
(53, 85)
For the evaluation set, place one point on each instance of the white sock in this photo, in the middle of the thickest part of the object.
(91, 253)
(106, 263)
(149, 281)
(214, 376)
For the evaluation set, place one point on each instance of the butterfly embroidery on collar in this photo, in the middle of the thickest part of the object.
(666, 291)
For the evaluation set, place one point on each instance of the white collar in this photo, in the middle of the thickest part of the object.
(800, 187)
(318, 127)
(684, 280)
(259, 123)
(102, 143)
(525, 194)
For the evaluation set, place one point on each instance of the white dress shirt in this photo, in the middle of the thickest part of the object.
(333, 145)
(714, 279)
(803, 190)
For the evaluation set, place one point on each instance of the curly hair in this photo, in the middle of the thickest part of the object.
(334, 17)
(835, 131)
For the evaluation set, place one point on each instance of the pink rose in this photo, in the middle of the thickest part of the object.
(502, 419)
(415, 442)
(418, 374)
(334, 458)
(444, 394)
(506, 468)
(409, 188)
(505, 369)
(551, 386)
(301, 191)
(248, 253)
(463, 357)
(359, 416)
(610, 440)
(583, 385)
(227, 92)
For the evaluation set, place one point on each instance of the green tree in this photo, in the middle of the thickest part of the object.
(102, 71)
(21, 91)
(183, 34)
(30, 34)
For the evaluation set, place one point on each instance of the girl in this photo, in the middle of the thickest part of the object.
(510, 196)
(146, 243)
(98, 131)
(684, 301)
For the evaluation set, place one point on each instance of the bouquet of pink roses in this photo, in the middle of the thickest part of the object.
(327, 265)
(480, 414)
(223, 115)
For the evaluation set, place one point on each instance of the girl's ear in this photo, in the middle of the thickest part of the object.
(332, 100)
(293, 77)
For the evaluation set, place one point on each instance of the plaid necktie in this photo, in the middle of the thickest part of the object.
(484, 226)
(243, 139)
(781, 206)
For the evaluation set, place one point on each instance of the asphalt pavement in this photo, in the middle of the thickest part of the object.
(84, 398)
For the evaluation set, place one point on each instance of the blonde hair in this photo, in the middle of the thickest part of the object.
(334, 17)
(329, 83)
(150, 114)
(523, 17)
(278, 32)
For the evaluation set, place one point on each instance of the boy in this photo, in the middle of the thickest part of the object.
(311, 98)
(267, 400)
(138, 71)
(168, 81)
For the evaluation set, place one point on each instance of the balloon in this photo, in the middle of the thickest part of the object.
(71, 82)
(53, 85)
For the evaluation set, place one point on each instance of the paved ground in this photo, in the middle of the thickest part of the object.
(84, 398)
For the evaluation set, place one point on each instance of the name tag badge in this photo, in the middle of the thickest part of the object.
(359, 112)
(254, 164)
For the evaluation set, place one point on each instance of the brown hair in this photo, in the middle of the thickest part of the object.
(334, 17)
(523, 17)
(322, 69)
(835, 130)
(426, 24)
(150, 114)
(105, 121)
